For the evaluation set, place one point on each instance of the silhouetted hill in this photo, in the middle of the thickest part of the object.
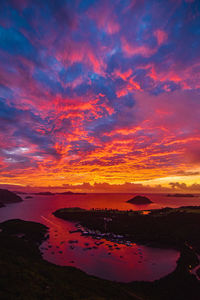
(44, 194)
(139, 200)
(9, 197)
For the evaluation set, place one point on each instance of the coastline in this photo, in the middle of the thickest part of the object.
(160, 227)
(19, 252)
(48, 278)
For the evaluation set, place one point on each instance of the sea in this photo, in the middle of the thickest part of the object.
(101, 258)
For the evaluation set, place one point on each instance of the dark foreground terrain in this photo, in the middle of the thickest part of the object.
(173, 227)
(7, 197)
(25, 275)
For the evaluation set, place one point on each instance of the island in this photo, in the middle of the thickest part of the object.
(61, 193)
(180, 195)
(70, 193)
(44, 194)
(139, 200)
(7, 197)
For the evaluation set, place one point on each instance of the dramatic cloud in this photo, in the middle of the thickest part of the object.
(99, 92)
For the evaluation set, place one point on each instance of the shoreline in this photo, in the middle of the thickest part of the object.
(24, 250)
(160, 227)
(87, 224)
(21, 252)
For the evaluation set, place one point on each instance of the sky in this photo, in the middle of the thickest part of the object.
(100, 93)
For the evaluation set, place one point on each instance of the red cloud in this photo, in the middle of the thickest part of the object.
(161, 36)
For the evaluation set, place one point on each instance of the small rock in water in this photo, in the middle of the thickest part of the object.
(73, 241)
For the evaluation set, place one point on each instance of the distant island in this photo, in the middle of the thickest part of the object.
(8, 197)
(139, 200)
(44, 194)
(61, 193)
(70, 193)
(180, 195)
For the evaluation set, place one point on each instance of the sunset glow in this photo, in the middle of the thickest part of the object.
(100, 95)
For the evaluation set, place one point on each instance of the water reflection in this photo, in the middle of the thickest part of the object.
(107, 260)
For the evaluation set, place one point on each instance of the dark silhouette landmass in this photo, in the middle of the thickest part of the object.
(28, 197)
(32, 231)
(62, 193)
(65, 193)
(180, 195)
(71, 193)
(25, 275)
(198, 272)
(44, 194)
(139, 200)
(164, 227)
(8, 197)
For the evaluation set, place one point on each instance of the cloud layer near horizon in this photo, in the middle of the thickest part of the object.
(99, 91)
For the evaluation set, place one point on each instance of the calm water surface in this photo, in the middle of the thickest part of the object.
(108, 260)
